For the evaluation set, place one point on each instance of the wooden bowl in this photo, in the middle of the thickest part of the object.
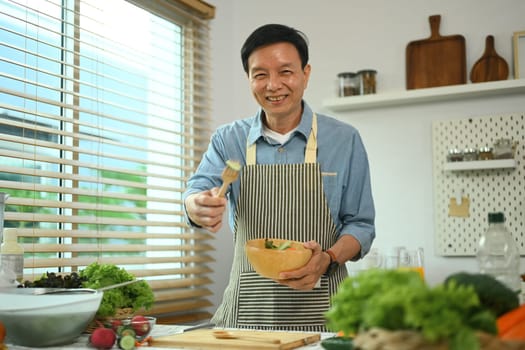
(270, 262)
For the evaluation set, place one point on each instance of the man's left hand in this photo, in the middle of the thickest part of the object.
(306, 277)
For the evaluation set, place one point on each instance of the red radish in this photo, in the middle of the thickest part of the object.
(103, 338)
(141, 325)
(115, 324)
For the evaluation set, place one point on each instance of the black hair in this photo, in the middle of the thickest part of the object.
(271, 34)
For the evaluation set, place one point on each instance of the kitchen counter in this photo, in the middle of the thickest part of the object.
(158, 331)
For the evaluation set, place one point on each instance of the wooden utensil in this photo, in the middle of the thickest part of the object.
(229, 335)
(491, 66)
(229, 175)
(437, 60)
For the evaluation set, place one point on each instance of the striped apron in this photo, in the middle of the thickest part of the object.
(283, 201)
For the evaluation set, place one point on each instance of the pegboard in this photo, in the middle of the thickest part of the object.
(487, 190)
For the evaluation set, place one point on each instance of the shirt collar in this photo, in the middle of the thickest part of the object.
(304, 127)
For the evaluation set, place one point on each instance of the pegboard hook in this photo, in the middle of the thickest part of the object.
(459, 196)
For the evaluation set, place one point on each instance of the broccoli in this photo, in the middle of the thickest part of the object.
(493, 295)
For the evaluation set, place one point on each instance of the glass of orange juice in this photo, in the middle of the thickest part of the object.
(412, 260)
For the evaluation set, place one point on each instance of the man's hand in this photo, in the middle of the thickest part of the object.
(306, 277)
(206, 209)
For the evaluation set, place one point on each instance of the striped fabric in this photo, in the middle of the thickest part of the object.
(265, 304)
(288, 187)
(278, 201)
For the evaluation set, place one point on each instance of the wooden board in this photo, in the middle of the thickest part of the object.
(491, 66)
(204, 339)
(437, 60)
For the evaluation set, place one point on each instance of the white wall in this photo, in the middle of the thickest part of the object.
(349, 35)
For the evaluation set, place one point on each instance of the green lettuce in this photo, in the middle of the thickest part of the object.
(135, 296)
(401, 300)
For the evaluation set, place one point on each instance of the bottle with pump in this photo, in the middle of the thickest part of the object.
(12, 254)
(498, 253)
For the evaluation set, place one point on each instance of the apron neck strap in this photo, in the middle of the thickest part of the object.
(310, 154)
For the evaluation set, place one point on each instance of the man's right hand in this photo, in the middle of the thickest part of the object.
(206, 210)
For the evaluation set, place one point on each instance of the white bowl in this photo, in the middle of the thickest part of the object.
(46, 320)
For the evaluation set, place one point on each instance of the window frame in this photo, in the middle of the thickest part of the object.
(180, 299)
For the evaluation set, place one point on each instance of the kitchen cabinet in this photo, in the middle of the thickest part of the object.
(435, 94)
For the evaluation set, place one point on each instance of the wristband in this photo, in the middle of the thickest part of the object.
(333, 266)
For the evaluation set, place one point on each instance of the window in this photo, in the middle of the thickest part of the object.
(103, 115)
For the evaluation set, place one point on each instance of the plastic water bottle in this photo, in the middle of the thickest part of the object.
(12, 254)
(498, 253)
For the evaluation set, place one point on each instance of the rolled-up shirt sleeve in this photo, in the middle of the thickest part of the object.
(357, 207)
(350, 199)
(227, 142)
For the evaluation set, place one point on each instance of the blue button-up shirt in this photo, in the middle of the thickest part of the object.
(340, 152)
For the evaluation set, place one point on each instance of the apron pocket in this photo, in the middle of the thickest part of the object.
(330, 183)
(265, 304)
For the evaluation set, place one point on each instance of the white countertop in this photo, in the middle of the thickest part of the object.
(158, 331)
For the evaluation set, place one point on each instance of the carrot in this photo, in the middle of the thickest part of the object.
(517, 332)
(2, 333)
(511, 318)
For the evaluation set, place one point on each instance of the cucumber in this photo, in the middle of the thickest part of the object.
(285, 245)
(127, 342)
(126, 330)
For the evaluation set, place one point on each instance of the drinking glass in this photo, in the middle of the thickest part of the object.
(373, 260)
(412, 260)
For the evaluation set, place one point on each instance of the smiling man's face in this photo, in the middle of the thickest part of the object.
(277, 80)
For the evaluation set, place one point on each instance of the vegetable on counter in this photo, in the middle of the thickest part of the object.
(135, 296)
(492, 294)
(401, 300)
(53, 280)
(511, 325)
(102, 338)
(2, 336)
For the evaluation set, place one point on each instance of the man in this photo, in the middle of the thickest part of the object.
(305, 177)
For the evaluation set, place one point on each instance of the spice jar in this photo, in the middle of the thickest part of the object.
(454, 155)
(485, 153)
(368, 81)
(503, 149)
(470, 154)
(348, 84)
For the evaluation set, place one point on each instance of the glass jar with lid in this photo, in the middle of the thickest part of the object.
(503, 149)
(367, 78)
(485, 153)
(348, 84)
(454, 155)
(470, 154)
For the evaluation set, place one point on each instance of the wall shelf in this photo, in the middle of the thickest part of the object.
(408, 97)
(480, 165)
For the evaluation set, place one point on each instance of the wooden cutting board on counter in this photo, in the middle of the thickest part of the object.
(437, 60)
(255, 340)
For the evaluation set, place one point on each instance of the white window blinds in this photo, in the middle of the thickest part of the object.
(103, 115)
